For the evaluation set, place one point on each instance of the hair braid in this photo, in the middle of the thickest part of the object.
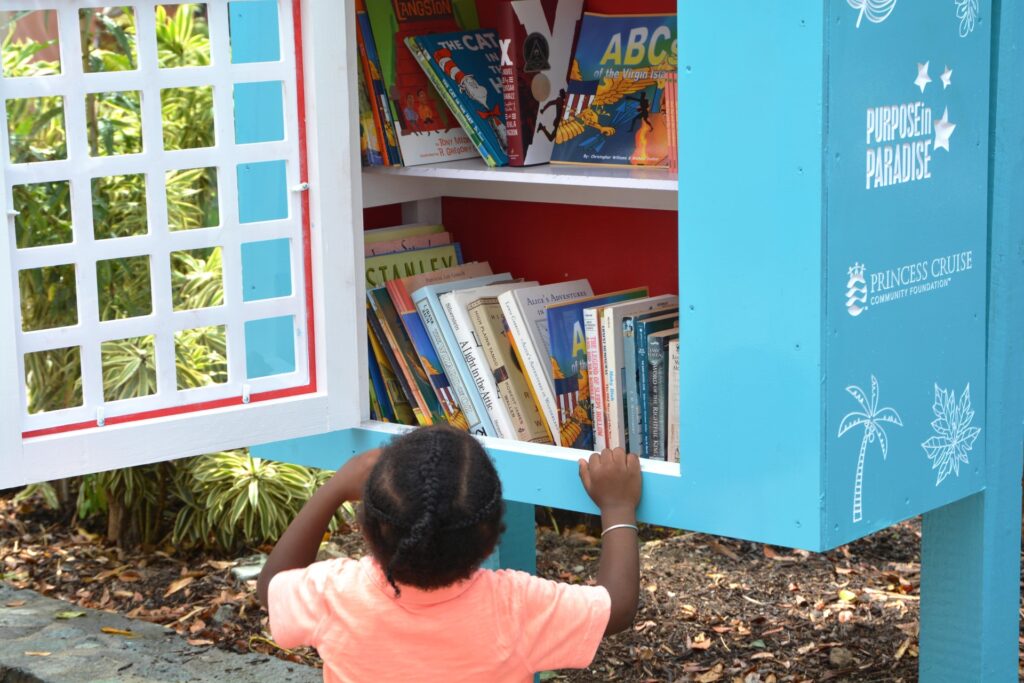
(424, 528)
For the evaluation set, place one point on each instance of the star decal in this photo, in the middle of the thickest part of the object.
(946, 77)
(923, 79)
(943, 129)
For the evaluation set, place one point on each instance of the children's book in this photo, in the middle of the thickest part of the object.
(427, 132)
(657, 360)
(373, 88)
(643, 329)
(407, 244)
(378, 392)
(455, 305)
(613, 112)
(513, 390)
(399, 291)
(613, 360)
(672, 413)
(396, 232)
(536, 38)
(525, 310)
(569, 366)
(428, 304)
(464, 66)
(634, 428)
(370, 136)
(398, 392)
(380, 269)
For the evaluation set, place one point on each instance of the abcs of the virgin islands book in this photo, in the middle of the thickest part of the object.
(613, 112)
(465, 67)
(427, 131)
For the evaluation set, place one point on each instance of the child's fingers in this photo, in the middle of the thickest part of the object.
(585, 474)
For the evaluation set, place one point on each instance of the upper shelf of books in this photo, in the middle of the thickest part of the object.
(596, 186)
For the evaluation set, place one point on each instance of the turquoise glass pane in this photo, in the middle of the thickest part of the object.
(259, 112)
(269, 346)
(255, 36)
(262, 191)
(266, 270)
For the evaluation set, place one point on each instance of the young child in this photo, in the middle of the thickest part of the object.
(418, 608)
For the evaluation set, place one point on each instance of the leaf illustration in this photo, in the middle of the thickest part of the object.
(861, 397)
(954, 433)
(850, 421)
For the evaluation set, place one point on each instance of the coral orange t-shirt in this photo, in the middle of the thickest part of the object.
(496, 626)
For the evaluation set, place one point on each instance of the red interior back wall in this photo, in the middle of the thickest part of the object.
(613, 248)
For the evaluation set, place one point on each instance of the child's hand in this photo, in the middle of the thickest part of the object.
(612, 479)
(348, 482)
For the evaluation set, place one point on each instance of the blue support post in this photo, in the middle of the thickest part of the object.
(970, 555)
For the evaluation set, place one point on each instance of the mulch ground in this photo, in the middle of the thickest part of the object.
(712, 609)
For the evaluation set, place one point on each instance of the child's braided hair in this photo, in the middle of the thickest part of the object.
(432, 508)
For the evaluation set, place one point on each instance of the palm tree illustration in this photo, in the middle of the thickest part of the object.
(870, 418)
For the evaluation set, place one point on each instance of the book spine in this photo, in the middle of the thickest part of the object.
(393, 332)
(486, 320)
(656, 361)
(510, 83)
(375, 86)
(444, 355)
(634, 443)
(643, 393)
(368, 84)
(533, 362)
(476, 365)
(595, 375)
(454, 103)
(541, 422)
(615, 432)
(398, 391)
(378, 391)
(673, 415)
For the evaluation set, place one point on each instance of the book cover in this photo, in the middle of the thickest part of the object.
(428, 305)
(537, 38)
(426, 131)
(376, 92)
(614, 360)
(465, 68)
(525, 311)
(378, 392)
(428, 408)
(398, 391)
(613, 113)
(407, 244)
(399, 291)
(380, 269)
(634, 425)
(370, 136)
(518, 357)
(642, 330)
(672, 412)
(513, 391)
(569, 366)
(455, 304)
(657, 361)
(395, 232)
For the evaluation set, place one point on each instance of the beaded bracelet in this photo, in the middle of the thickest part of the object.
(634, 527)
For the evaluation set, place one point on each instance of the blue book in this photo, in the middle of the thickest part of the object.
(634, 436)
(380, 391)
(612, 113)
(657, 362)
(431, 312)
(642, 330)
(465, 66)
(569, 366)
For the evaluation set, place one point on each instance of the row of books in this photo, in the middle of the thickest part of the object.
(453, 342)
(551, 83)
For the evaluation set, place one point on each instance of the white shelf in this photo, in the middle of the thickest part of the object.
(594, 186)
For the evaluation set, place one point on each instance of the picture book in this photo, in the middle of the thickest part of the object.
(614, 360)
(613, 110)
(399, 291)
(378, 392)
(428, 305)
(642, 330)
(380, 269)
(426, 131)
(428, 408)
(488, 323)
(657, 361)
(407, 244)
(672, 412)
(634, 425)
(370, 136)
(464, 66)
(397, 390)
(376, 92)
(525, 310)
(536, 38)
(455, 305)
(396, 232)
(569, 366)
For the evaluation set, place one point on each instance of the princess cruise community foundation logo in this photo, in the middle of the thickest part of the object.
(868, 289)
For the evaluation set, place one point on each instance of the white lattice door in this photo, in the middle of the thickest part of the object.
(162, 176)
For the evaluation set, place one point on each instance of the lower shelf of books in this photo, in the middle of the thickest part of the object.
(553, 368)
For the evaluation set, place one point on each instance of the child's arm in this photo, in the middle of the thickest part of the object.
(299, 543)
(612, 480)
